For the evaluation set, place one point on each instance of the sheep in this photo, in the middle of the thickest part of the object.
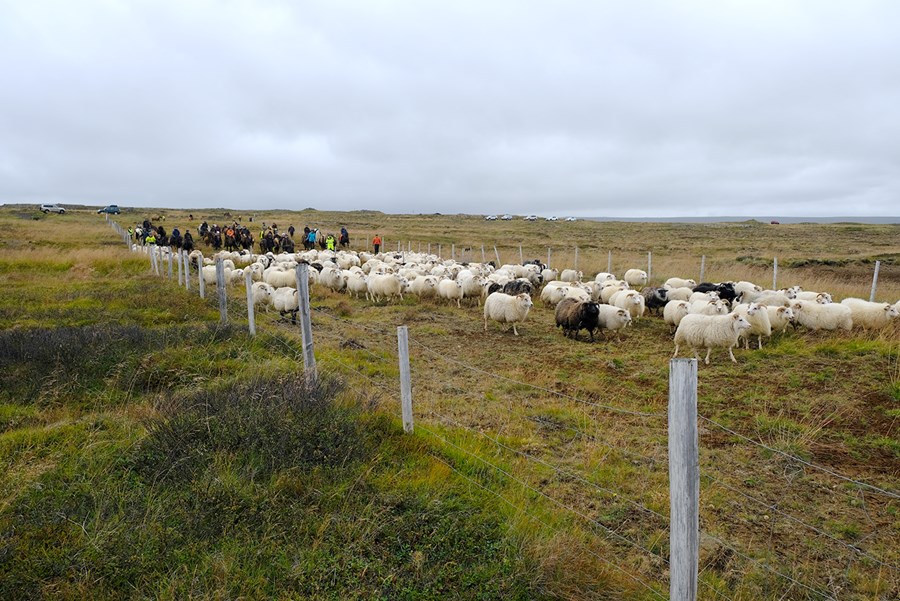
(700, 296)
(631, 301)
(235, 277)
(279, 278)
(674, 311)
(748, 291)
(823, 298)
(573, 315)
(504, 308)
(771, 298)
(604, 276)
(262, 294)
(358, 282)
(636, 278)
(726, 290)
(450, 290)
(553, 294)
(518, 286)
(570, 275)
(424, 287)
(655, 298)
(612, 319)
(549, 274)
(607, 292)
(822, 317)
(333, 278)
(386, 285)
(679, 283)
(780, 318)
(285, 300)
(708, 331)
(471, 285)
(708, 307)
(758, 318)
(869, 315)
(679, 294)
(577, 293)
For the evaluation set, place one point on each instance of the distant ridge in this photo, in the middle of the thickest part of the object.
(872, 220)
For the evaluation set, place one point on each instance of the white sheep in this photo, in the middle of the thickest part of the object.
(262, 294)
(708, 307)
(578, 293)
(550, 274)
(780, 318)
(771, 298)
(709, 331)
(280, 278)
(758, 318)
(674, 311)
(630, 300)
(607, 292)
(604, 276)
(613, 319)
(700, 296)
(747, 291)
(451, 290)
(552, 294)
(679, 294)
(823, 298)
(679, 283)
(870, 315)
(570, 275)
(471, 285)
(358, 282)
(636, 278)
(333, 278)
(424, 287)
(285, 300)
(386, 285)
(504, 308)
(822, 317)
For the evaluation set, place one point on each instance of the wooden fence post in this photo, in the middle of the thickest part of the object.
(521, 257)
(251, 317)
(548, 257)
(220, 290)
(775, 274)
(649, 267)
(497, 254)
(440, 251)
(453, 251)
(405, 378)
(309, 358)
(179, 261)
(576, 259)
(202, 284)
(875, 282)
(702, 268)
(483, 258)
(609, 262)
(684, 480)
(187, 271)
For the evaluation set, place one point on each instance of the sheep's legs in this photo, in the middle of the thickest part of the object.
(676, 352)
(730, 354)
(485, 324)
(708, 351)
(515, 331)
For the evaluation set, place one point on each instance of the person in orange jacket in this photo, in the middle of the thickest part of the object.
(376, 242)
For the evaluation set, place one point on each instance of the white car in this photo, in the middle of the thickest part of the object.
(571, 219)
(531, 218)
(552, 218)
(507, 217)
(53, 208)
(491, 218)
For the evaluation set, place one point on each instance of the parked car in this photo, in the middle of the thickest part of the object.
(507, 217)
(531, 218)
(553, 218)
(491, 218)
(111, 209)
(571, 219)
(52, 208)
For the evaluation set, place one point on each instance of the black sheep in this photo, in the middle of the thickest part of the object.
(655, 298)
(726, 290)
(518, 286)
(574, 315)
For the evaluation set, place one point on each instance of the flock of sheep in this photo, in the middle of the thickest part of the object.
(703, 316)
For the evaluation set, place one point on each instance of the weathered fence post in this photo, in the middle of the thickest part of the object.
(775, 274)
(409, 246)
(202, 284)
(609, 262)
(405, 379)
(251, 317)
(548, 257)
(169, 257)
(702, 268)
(220, 290)
(309, 358)
(576, 259)
(649, 266)
(187, 270)
(497, 254)
(684, 480)
(179, 261)
(875, 282)
(521, 257)
(429, 248)
(483, 258)
(453, 251)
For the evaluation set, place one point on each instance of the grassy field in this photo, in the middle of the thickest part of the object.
(140, 462)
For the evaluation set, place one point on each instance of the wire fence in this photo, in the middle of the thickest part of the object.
(617, 492)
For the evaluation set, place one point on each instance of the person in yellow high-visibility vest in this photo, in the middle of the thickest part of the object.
(329, 242)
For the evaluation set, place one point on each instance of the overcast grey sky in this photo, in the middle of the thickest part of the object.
(586, 108)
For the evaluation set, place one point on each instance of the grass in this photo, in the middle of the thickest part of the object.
(140, 463)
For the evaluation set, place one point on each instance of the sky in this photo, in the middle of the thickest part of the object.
(586, 108)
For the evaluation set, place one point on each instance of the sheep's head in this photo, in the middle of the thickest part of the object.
(892, 311)
(740, 322)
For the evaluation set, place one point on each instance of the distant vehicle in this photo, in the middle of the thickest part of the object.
(531, 218)
(553, 218)
(111, 209)
(491, 218)
(53, 208)
(776, 223)
(571, 219)
(507, 217)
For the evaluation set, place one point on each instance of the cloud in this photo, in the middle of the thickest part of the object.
(586, 108)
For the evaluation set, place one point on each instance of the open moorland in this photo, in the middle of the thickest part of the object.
(150, 451)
